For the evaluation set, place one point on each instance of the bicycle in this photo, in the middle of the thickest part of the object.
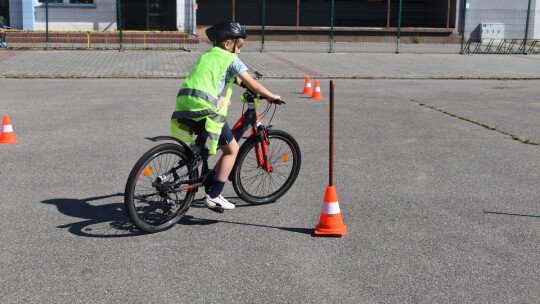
(162, 185)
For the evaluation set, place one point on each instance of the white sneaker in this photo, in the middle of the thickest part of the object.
(219, 201)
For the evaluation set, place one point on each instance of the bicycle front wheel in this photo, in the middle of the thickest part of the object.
(252, 182)
(152, 205)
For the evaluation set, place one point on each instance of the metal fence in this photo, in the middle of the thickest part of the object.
(502, 31)
(401, 26)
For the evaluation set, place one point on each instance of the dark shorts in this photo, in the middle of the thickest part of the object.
(226, 135)
(225, 138)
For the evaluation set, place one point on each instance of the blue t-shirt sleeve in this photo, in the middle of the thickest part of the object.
(237, 67)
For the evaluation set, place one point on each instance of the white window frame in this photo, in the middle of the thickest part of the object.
(65, 3)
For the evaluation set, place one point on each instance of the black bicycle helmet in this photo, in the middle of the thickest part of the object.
(225, 30)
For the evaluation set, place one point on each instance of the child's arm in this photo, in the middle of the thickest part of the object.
(256, 87)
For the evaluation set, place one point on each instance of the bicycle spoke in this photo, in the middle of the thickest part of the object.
(154, 205)
(261, 183)
(253, 183)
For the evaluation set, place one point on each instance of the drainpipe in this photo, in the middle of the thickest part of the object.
(388, 15)
(194, 7)
(233, 11)
(297, 13)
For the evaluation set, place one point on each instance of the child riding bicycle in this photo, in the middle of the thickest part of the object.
(199, 104)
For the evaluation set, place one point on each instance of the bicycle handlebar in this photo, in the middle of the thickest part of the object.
(250, 95)
(275, 101)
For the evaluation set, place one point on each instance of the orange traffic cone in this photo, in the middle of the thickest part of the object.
(7, 136)
(307, 87)
(317, 91)
(330, 222)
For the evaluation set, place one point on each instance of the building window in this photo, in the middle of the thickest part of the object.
(67, 2)
(81, 1)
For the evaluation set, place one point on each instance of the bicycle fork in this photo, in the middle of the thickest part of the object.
(261, 152)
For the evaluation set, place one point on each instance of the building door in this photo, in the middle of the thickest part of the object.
(161, 15)
(4, 12)
(134, 15)
(149, 15)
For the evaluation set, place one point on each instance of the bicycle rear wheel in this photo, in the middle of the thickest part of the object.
(151, 203)
(252, 182)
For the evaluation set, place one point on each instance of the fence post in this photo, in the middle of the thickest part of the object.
(119, 23)
(331, 50)
(527, 28)
(463, 17)
(46, 24)
(263, 19)
(399, 25)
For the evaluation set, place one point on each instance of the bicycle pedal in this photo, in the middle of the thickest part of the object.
(216, 209)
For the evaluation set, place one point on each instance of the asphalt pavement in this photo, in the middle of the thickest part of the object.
(437, 179)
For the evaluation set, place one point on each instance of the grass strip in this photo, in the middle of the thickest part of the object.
(514, 136)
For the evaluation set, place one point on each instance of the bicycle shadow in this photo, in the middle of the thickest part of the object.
(111, 221)
(102, 221)
(199, 203)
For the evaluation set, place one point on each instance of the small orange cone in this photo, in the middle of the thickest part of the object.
(7, 136)
(317, 91)
(307, 87)
(330, 222)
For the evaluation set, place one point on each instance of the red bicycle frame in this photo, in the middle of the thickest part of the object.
(251, 117)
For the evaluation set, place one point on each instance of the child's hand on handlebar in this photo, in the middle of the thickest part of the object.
(272, 98)
(255, 87)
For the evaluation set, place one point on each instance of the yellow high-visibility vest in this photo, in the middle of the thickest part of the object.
(198, 98)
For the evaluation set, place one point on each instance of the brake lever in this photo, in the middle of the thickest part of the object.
(278, 101)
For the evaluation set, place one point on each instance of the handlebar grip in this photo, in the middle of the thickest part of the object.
(249, 95)
(275, 101)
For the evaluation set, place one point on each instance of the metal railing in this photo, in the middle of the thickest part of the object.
(316, 26)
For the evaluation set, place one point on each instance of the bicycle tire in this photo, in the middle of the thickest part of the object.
(252, 183)
(149, 205)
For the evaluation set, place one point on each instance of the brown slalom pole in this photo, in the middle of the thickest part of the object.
(331, 141)
(330, 222)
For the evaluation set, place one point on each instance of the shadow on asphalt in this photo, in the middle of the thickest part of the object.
(111, 220)
(512, 214)
(191, 220)
(98, 221)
